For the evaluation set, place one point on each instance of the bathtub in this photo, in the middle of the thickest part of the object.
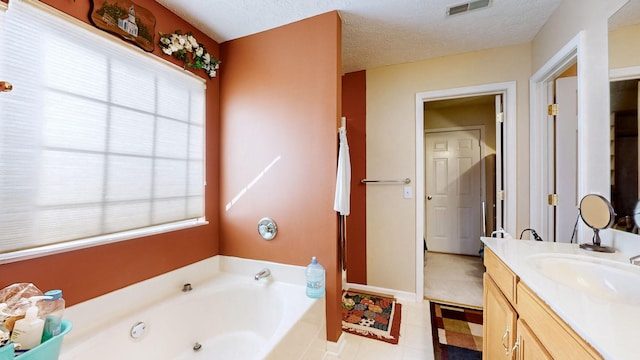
(226, 315)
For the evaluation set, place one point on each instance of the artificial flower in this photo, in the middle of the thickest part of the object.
(185, 47)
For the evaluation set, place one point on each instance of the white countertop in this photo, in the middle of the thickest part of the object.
(611, 326)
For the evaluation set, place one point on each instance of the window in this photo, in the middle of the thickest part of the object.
(99, 141)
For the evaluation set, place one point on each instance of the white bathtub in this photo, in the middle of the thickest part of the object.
(228, 313)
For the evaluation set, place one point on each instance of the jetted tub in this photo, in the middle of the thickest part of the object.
(227, 315)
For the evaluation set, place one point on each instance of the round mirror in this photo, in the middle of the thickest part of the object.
(596, 211)
(267, 228)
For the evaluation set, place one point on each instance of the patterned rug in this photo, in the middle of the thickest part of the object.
(374, 316)
(457, 332)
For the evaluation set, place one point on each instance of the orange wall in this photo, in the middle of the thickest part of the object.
(87, 273)
(354, 107)
(280, 99)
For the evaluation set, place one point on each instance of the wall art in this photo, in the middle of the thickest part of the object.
(126, 19)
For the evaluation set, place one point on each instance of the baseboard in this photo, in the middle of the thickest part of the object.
(446, 302)
(400, 295)
(335, 348)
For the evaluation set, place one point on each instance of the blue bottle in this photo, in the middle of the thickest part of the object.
(315, 279)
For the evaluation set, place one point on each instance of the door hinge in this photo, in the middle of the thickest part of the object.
(500, 117)
(552, 109)
(552, 199)
(500, 195)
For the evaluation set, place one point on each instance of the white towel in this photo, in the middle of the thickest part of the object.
(343, 179)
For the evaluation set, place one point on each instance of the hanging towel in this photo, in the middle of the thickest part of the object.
(343, 179)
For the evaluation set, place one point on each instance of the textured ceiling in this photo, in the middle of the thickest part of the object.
(378, 32)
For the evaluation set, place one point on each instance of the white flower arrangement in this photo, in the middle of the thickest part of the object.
(186, 48)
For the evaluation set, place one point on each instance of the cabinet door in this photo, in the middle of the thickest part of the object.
(499, 329)
(529, 347)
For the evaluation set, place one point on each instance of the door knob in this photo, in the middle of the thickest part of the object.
(429, 197)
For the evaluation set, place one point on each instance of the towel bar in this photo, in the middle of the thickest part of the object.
(402, 181)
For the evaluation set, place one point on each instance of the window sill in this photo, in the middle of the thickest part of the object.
(45, 250)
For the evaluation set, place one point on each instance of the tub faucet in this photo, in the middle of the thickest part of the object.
(262, 274)
(635, 260)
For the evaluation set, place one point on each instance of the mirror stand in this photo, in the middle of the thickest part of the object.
(596, 244)
(596, 211)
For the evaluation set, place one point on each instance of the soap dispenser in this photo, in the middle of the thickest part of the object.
(28, 331)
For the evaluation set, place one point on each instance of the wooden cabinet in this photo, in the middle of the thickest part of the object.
(519, 325)
(499, 334)
(529, 347)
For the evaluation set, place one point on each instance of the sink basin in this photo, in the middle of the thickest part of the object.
(606, 279)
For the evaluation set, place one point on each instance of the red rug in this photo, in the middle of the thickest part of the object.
(373, 316)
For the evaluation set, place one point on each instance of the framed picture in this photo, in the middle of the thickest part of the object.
(126, 19)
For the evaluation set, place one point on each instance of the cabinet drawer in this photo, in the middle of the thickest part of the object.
(501, 275)
(558, 338)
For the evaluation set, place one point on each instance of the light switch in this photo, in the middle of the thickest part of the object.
(407, 192)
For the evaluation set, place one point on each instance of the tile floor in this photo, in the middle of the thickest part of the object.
(460, 272)
(414, 344)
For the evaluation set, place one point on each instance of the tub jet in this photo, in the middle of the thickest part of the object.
(197, 346)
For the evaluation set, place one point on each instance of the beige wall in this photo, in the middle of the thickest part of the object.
(624, 47)
(391, 124)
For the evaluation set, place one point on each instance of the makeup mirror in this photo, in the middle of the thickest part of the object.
(596, 211)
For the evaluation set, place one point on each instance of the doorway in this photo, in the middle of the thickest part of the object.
(541, 130)
(563, 154)
(506, 155)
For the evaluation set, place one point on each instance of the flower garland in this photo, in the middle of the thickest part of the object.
(186, 48)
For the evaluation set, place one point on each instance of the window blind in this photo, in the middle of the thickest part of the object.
(99, 141)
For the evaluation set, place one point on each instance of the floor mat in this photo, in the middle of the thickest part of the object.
(457, 332)
(374, 316)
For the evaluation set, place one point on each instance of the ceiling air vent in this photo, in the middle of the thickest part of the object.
(466, 7)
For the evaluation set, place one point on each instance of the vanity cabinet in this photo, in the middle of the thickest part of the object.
(499, 333)
(529, 347)
(519, 325)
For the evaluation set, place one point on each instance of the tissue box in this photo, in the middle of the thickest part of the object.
(48, 350)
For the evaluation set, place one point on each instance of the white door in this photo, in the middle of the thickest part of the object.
(566, 159)
(453, 191)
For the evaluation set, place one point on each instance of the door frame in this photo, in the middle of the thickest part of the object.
(508, 91)
(540, 92)
(483, 180)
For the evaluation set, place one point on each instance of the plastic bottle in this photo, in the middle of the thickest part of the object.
(315, 279)
(51, 311)
(28, 331)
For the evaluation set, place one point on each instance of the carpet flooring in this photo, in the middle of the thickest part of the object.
(456, 279)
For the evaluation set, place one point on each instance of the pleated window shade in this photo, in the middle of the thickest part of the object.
(99, 141)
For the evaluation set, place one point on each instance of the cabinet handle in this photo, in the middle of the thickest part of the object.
(507, 351)
(515, 346)
(505, 346)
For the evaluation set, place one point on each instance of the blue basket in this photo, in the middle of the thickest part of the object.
(48, 350)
